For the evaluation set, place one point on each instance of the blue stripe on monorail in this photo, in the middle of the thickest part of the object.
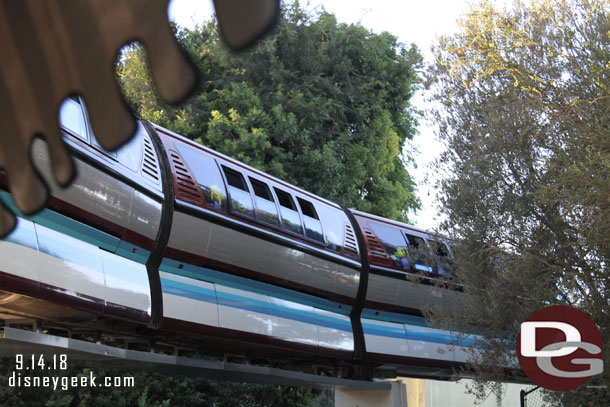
(250, 304)
(241, 283)
(80, 231)
(262, 307)
(66, 225)
(74, 251)
(387, 331)
(411, 333)
(23, 235)
(188, 291)
(81, 254)
(368, 313)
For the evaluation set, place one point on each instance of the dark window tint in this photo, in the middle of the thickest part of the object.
(285, 199)
(235, 179)
(206, 174)
(419, 254)
(391, 237)
(445, 265)
(72, 118)
(313, 227)
(266, 211)
(241, 200)
(290, 217)
(307, 208)
(260, 189)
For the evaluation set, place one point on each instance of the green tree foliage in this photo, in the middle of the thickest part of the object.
(320, 104)
(523, 108)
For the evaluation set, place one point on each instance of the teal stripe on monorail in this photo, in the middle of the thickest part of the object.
(81, 253)
(66, 225)
(223, 298)
(23, 234)
(189, 291)
(241, 283)
(413, 334)
(80, 231)
(125, 249)
(368, 313)
(88, 256)
(263, 307)
(244, 303)
(438, 337)
(76, 252)
(387, 331)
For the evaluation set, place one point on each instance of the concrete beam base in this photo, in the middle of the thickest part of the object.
(395, 396)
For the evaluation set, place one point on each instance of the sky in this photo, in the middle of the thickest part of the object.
(418, 22)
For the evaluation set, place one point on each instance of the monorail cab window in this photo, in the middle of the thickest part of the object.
(72, 118)
(288, 210)
(419, 254)
(206, 173)
(334, 226)
(394, 243)
(313, 227)
(239, 195)
(445, 265)
(266, 210)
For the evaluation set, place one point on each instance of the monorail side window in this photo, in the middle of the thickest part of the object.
(266, 211)
(391, 238)
(334, 226)
(239, 195)
(72, 118)
(313, 227)
(419, 254)
(290, 216)
(445, 265)
(206, 174)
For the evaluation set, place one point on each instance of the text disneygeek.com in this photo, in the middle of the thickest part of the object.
(27, 365)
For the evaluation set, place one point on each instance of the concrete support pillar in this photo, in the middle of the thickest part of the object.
(416, 392)
(396, 396)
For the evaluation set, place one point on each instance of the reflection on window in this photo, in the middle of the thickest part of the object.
(72, 118)
(391, 238)
(307, 208)
(313, 227)
(445, 265)
(206, 174)
(334, 226)
(290, 216)
(241, 200)
(266, 211)
(419, 254)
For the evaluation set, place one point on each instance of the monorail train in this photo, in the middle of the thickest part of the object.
(167, 234)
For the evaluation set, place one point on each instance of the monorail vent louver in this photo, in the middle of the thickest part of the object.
(186, 187)
(350, 243)
(150, 168)
(376, 250)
